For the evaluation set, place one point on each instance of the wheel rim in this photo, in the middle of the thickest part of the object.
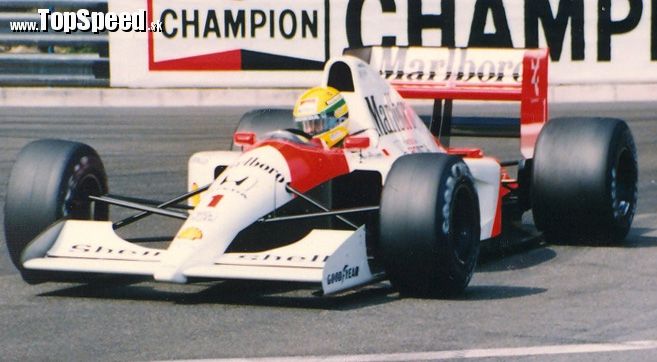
(80, 185)
(77, 204)
(462, 235)
(623, 185)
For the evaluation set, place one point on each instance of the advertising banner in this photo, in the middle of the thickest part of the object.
(260, 43)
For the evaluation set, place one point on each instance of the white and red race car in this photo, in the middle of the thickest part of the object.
(394, 201)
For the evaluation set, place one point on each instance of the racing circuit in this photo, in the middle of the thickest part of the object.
(528, 302)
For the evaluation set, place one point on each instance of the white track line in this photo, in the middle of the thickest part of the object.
(468, 353)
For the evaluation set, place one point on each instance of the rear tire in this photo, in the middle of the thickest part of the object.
(263, 121)
(584, 182)
(51, 180)
(429, 225)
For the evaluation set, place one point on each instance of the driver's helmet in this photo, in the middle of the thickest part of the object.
(322, 113)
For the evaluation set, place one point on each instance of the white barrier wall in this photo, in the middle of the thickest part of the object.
(264, 43)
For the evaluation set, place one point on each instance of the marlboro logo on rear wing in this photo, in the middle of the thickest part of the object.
(445, 74)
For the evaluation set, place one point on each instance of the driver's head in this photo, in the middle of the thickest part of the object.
(322, 113)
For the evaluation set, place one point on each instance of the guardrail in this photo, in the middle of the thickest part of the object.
(50, 58)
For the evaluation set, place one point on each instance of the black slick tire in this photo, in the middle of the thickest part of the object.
(429, 225)
(50, 180)
(584, 180)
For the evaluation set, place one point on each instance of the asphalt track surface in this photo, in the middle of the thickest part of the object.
(582, 302)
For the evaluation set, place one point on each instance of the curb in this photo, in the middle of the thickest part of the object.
(201, 97)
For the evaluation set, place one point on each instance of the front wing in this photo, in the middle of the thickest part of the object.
(336, 259)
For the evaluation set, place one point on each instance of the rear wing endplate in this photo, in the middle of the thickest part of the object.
(446, 74)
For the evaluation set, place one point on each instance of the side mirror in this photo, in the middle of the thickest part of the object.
(356, 143)
(244, 138)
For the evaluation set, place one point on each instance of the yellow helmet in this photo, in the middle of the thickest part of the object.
(322, 113)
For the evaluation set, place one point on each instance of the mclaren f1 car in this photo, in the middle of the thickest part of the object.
(393, 201)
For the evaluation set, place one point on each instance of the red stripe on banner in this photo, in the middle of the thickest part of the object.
(230, 60)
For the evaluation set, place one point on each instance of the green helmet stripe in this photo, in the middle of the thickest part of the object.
(334, 106)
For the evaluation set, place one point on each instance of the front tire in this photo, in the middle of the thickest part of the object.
(51, 180)
(429, 225)
(584, 182)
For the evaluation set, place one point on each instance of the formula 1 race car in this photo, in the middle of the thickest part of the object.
(393, 201)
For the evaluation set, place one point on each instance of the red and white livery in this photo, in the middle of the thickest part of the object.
(393, 201)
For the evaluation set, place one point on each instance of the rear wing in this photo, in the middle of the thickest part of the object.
(445, 74)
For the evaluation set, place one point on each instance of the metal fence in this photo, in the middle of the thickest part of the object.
(51, 58)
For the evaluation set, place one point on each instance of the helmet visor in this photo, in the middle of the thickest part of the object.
(316, 124)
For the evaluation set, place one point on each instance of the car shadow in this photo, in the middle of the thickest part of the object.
(233, 292)
(505, 256)
(497, 292)
(269, 294)
(515, 258)
(637, 238)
